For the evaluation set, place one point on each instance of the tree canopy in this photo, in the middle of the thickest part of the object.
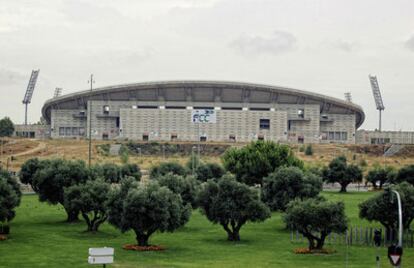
(146, 209)
(51, 177)
(288, 183)
(406, 174)
(383, 207)
(167, 167)
(231, 204)
(209, 171)
(315, 219)
(10, 196)
(186, 187)
(90, 198)
(339, 171)
(6, 127)
(251, 163)
(380, 175)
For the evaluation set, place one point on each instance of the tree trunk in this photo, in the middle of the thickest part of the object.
(72, 216)
(233, 236)
(142, 240)
(343, 188)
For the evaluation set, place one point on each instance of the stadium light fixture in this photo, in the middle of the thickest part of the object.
(29, 92)
(348, 96)
(58, 92)
(377, 96)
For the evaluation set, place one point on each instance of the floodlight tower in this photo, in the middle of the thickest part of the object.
(377, 96)
(29, 92)
(58, 92)
(348, 96)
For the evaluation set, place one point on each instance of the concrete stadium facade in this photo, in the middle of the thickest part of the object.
(175, 111)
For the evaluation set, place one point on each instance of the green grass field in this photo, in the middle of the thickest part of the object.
(40, 238)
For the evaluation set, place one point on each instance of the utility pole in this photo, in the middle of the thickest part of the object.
(91, 81)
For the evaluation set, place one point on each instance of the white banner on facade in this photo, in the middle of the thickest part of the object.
(203, 116)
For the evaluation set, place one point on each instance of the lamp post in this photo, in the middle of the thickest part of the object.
(91, 81)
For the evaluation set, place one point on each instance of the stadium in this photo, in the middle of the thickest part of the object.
(202, 111)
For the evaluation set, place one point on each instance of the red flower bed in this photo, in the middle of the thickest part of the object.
(139, 248)
(315, 251)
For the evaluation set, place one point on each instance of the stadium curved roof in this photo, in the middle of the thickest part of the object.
(204, 92)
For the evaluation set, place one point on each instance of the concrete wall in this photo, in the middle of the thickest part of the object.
(161, 120)
(32, 131)
(377, 137)
(163, 124)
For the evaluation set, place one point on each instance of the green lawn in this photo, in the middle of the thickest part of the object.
(40, 238)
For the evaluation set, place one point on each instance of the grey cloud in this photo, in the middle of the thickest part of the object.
(346, 46)
(277, 43)
(9, 77)
(410, 43)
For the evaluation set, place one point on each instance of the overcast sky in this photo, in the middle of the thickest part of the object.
(325, 46)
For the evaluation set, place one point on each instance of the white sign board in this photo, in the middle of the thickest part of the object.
(101, 255)
(203, 116)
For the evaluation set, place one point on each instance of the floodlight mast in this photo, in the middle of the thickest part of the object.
(348, 96)
(377, 96)
(58, 92)
(29, 92)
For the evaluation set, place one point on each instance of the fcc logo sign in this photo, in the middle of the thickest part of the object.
(203, 116)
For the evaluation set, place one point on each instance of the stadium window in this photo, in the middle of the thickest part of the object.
(260, 137)
(75, 131)
(105, 109)
(174, 137)
(301, 113)
(232, 137)
(68, 131)
(105, 136)
(145, 137)
(337, 136)
(117, 122)
(324, 136)
(331, 135)
(301, 139)
(81, 131)
(203, 138)
(264, 124)
(289, 124)
(61, 131)
(344, 136)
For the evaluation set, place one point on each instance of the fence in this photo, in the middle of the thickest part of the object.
(363, 236)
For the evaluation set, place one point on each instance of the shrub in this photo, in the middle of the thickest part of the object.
(231, 204)
(288, 183)
(309, 150)
(251, 163)
(315, 219)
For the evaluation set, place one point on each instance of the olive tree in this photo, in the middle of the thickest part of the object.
(6, 127)
(288, 183)
(53, 176)
(339, 171)
(406, 174)
(167, 167)
(186, 187)
(10, 196)
(383, 207)
(231, 204)
(209, 171)
(315, 219)
(90, 198)
(146, 209)
(380, 175)
(251, 163)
